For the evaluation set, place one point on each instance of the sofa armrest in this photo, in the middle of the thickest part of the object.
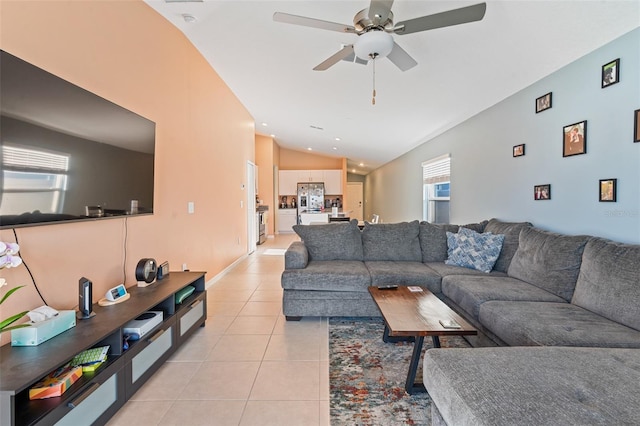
(296, 256)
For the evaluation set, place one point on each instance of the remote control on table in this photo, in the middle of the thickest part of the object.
(450, 324)
(387, 287)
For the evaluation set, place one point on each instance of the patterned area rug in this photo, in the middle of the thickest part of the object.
(367, 376)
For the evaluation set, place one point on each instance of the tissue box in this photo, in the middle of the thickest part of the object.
(44, 330)
(56, 383)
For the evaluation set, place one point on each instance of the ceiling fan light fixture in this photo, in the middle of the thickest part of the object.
(373, 44)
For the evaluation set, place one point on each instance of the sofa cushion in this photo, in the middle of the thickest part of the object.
(403, 273)
(478, 227)
(534, 385)
(333, 241)
(473, 250)
(554, 324)
(296, 256)
(609, 281)
(471, 291)
(392, 241)
(328, 304)
(443, 270)
(433, 241)
(548, 260)
(329, 275)
(511, 232)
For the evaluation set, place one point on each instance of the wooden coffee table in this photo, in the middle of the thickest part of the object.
(413, 315)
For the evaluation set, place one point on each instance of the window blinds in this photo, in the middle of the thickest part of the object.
(437, 170)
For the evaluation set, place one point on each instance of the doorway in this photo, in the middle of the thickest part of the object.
(355, 200)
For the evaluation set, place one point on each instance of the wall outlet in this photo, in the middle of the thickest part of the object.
(191, 207)
(184, 266)
(241, 204)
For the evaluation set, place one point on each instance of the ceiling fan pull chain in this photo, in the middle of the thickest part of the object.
(373, 99)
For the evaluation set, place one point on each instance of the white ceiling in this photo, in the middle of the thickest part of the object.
(461, 70)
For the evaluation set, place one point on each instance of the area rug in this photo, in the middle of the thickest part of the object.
(367, 376)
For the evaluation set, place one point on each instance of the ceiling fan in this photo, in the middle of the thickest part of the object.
(374, 26)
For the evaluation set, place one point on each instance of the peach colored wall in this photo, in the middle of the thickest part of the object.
(127, 53)
(298, 160)
(264, 161)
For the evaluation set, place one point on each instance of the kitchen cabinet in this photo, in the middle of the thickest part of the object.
(286, 219)
(310, 175)
(288, 182)
(333, 182)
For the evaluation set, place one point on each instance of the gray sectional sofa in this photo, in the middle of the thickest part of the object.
(568, 307)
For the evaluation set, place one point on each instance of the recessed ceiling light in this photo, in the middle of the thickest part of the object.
(353, 170)
(273, 136)
(309, 149)
(361, 164)
(338, 139)
(264, 124)
(335, 148)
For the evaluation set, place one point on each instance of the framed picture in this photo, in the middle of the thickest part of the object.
(542, 192)
(574, 139)
(543, 102)
(611, 73)
(518, 150)
(608, 189)
(636, 126)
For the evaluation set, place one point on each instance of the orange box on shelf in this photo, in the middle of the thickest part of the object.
(56, 383)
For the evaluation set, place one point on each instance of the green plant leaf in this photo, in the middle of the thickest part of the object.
(4, 324)
(9, 293)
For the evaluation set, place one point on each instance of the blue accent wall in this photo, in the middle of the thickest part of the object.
(487, 181)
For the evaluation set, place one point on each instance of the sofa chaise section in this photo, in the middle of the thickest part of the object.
(533, 386)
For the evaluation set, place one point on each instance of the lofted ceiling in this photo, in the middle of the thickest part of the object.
(461, 70)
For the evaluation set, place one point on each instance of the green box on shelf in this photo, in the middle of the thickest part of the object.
(42, 331)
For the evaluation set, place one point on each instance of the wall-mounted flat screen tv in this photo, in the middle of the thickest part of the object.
(68, 154)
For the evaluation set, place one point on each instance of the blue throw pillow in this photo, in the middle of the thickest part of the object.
(470, 249)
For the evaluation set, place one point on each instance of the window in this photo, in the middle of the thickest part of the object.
(436, 176)
(33, 180)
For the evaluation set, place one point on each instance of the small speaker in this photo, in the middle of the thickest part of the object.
(85, 299)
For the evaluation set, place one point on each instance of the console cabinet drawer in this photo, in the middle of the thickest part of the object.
(95, 403)
(148, 355)
(192, 316)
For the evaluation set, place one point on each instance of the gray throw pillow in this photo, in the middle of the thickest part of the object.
(548, 260)
(392, 241)
(333, 241)
(511, 232)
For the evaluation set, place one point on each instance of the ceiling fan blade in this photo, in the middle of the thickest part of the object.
(401, 58)
(379, 10)
(443, 19)
(335, 58)
(312, 22)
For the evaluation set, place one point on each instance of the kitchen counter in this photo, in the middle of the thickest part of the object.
(323, 216)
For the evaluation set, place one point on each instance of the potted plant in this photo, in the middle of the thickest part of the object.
(9, 259)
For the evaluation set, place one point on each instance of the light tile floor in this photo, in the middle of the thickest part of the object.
(248, 365)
